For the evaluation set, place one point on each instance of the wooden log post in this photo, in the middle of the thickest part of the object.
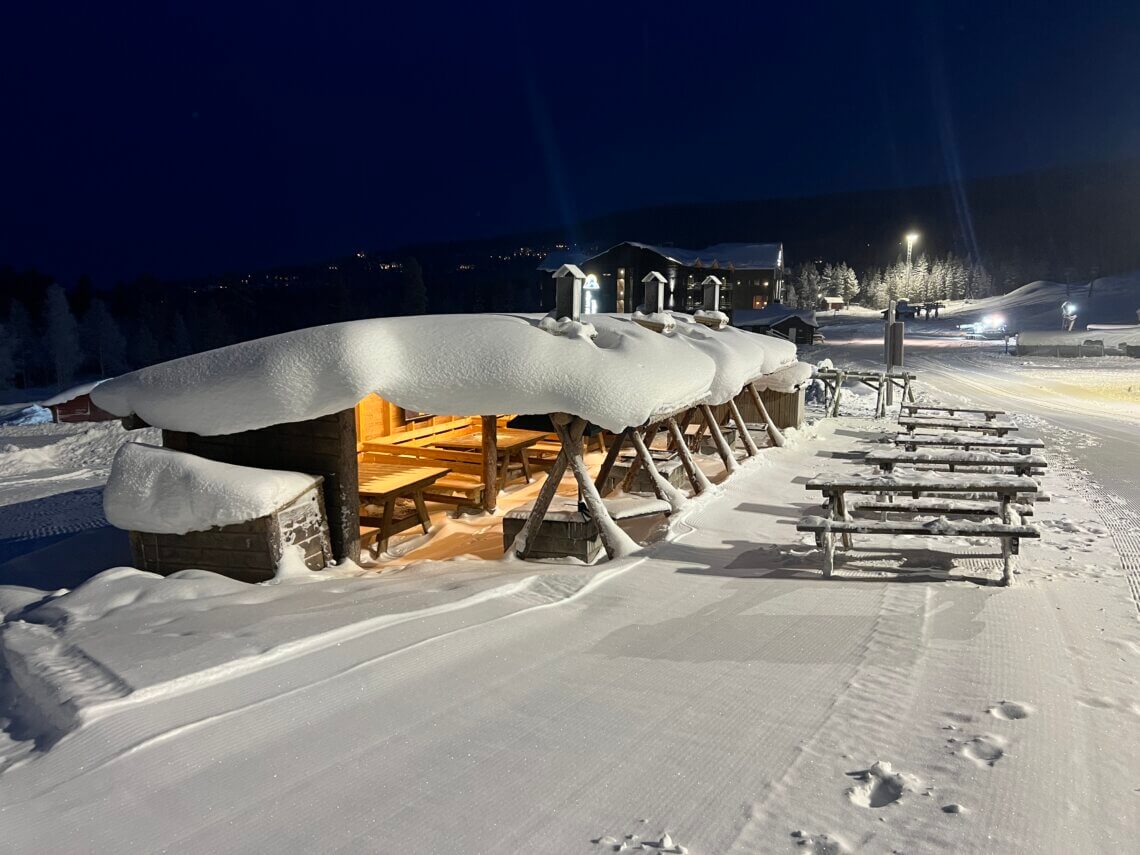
(774, 435)
(545, 496)
(661, 487)
(697, 478)
(490, 433)
(616, 542)
(647, 437)
(726, 455)
(611, 458)
(749, 445)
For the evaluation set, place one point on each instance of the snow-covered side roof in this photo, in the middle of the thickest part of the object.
(740, 356)
(771, 314)
(787, 379)
(454, 364)
(162, 491)
(1054, 338)
(556, 259)
(740, 256)
(70, 394)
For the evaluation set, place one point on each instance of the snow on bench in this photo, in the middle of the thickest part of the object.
(937, 507)
(887, 459)
(913, 409)
(923, 482)
(1020, 444)
(911, 423)
(826, 529)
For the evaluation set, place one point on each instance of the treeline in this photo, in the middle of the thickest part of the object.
(948, 278)
(52, 337)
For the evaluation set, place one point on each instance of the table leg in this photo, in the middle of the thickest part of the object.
(525, 464)
(421, 510)
(386, 524)
(841, 508)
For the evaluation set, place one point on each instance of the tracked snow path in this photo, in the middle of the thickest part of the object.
(720, 690)
(1085, 438)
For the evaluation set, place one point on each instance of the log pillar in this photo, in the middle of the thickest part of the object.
(490, 433)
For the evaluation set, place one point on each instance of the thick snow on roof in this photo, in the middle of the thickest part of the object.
(740, 356)
(70, 394)
(770, 315)
(168, 492)
(739, 256)
(453, 364)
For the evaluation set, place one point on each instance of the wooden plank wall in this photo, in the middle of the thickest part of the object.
(377, 418)
(325, 446)
(785, 408)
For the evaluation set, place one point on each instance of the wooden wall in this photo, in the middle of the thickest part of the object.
(325, 446)
(785, 408)
(377, 418)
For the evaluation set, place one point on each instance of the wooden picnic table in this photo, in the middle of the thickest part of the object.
(509, 443)
(887, 459)
(911, 423)
(1017, 444)
(833, 379)
(384, 484)
(989, 414)
(1007, 488)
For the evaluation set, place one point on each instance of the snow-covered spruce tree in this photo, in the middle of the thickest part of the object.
(7, 358)
(848, 283)
(62, 336)
(103, 341)
(791, 298)
(22, 336)
(808, 283)
(414, 297)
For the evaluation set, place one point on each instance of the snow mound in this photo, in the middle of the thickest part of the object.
(162, 491)
(454, 364)
(33, 414)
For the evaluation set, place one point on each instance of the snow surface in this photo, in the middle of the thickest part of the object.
(163, 491)
(456, 364)
(70, 394)
(740, 356)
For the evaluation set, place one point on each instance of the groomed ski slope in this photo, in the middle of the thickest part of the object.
(715, 688)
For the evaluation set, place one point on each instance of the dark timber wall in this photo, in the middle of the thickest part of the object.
(324, 446)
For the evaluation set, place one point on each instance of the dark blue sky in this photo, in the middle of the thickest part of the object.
(193, 137)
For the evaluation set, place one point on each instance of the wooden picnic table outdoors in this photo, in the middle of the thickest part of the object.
(384, 484)
(833, 379)
(911, 423)
(509, 443)
(888, 459)
(916, 484)
(989, 414)
(1017, 444)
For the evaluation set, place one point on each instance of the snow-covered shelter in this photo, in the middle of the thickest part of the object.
(427, 398)
(75, 405)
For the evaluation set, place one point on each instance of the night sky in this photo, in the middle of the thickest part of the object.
(191, 137)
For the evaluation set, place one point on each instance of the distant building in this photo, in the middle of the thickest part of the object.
(832, 304)
(752, 275)
(796, 325)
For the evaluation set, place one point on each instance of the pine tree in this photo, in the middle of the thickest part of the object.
(144, 348)
(415, 298)
(791, 298)
(62, 337)
(180, 343)
(7, 358)
(808, 286)
(848, 283)
(105, 343)
(22, 337)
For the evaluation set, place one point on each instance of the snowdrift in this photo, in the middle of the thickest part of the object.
(455, 364)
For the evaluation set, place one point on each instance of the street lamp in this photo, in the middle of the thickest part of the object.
(910, 240)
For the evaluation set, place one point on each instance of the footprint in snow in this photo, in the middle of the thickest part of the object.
(1011, 711)
(985, 750)
(820, 844)
(880, 785)
(664, 845)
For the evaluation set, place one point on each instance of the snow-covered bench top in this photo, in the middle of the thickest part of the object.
(941, 482)
(161, 491)
(457, 364)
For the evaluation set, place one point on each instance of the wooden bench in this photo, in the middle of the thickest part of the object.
(989, 415)
(938, 507)
(911, 423)
(1015, 444)
(384, 485)
(826, 529)
(888, 459)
